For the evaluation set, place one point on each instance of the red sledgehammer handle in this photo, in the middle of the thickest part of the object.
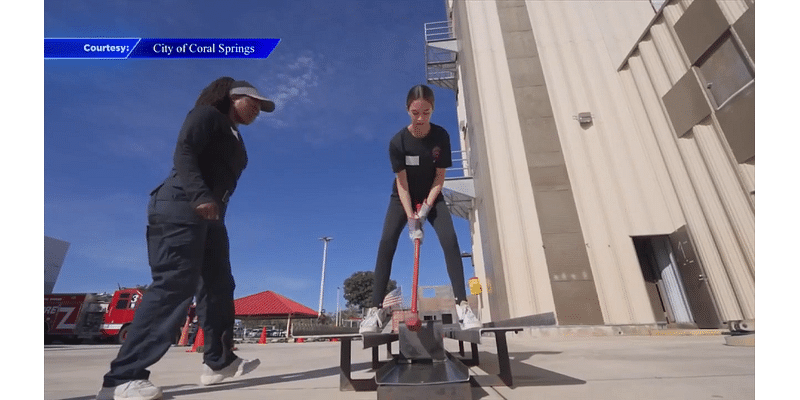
(415, 280)
(412, 322)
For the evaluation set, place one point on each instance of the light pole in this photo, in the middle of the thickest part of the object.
(337, 305)
(326, 239)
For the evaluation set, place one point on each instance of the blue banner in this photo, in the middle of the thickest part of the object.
(125, 48)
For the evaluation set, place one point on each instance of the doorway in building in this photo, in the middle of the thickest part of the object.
(675, 280)
(662, 280)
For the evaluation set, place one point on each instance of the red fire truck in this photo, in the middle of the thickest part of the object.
(74, 317)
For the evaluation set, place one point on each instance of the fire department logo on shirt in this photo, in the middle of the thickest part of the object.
(435, 153)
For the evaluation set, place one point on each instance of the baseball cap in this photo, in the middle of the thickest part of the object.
(245, 88)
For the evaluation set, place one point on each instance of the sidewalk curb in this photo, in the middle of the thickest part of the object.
(748, 340)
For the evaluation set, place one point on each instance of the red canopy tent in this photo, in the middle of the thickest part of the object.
(270, 305)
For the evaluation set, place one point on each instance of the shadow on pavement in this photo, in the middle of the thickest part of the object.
(524, 374)
(171, 392)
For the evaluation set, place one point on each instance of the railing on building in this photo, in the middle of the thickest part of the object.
(439, 31)
(441, 69)
(458, 190)
(460, 168)
(441, 54)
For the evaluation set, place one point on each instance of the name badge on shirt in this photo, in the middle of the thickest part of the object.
(412, 160)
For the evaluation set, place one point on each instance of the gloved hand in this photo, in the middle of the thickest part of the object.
(423, 211)
(415, 230)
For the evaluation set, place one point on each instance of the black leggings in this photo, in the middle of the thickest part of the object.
(393, 225)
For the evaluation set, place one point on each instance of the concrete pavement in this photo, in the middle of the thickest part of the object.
(598, 368)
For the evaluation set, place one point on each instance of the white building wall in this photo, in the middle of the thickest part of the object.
(629, 173)
(715, 193)
(505, 167)
(615, 186)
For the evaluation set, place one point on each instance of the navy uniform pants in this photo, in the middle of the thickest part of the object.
(188, 257)
(396, 220)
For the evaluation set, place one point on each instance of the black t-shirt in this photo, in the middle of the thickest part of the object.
(420, 158)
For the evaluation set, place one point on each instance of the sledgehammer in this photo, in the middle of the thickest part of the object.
(412, 322)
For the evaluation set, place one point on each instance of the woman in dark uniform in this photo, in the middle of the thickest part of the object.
(187, 245)
(419, 155)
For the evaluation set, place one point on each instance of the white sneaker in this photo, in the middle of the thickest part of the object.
(235, 370)
(466, 318)
(376, 320)
(133, 390)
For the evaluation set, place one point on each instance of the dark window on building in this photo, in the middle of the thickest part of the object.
(725, 70)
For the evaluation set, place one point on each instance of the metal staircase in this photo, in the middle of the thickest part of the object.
(441, 55)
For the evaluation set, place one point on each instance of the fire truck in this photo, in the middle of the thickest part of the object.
(74, 317)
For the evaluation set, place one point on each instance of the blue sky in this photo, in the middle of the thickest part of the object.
(318, 166)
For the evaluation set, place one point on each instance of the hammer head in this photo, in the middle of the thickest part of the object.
(413, 323)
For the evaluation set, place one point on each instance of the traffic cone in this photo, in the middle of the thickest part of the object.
(184, 340)
(263, 339)
(198, 342)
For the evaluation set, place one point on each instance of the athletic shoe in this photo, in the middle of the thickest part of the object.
(235, 370)
(466, 318)
(376, 320)
(133, 390)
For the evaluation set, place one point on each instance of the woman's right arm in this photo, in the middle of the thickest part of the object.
(193, 137)
(401, 181)
(414, 224)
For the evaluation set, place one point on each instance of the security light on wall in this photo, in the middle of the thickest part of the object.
(584, 118)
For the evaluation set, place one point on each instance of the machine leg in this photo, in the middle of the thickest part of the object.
(389, 354)
(502, 358)
(345, 381)
(474, 359)
(375, 363)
